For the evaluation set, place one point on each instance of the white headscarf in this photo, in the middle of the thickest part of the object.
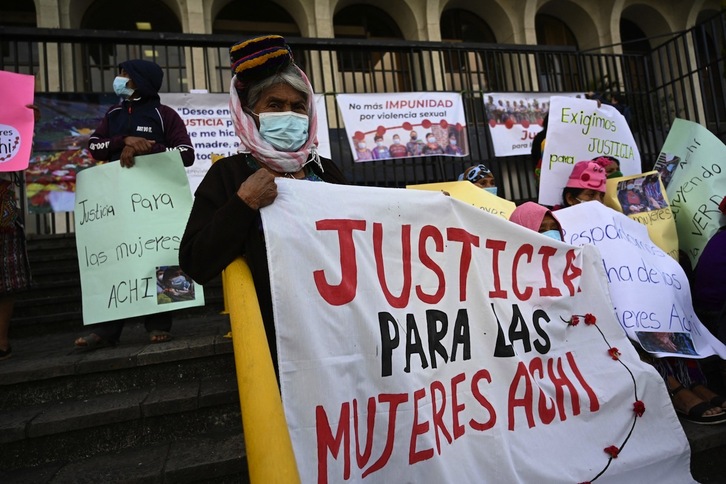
(251, 141)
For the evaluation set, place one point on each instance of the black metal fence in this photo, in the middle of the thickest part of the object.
(683, 77)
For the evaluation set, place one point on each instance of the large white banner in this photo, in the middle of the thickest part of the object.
(424, 340)
(691, 164)
(404, 124)
(580, 130)
(515, 118)
(210, 128)
(650, 290)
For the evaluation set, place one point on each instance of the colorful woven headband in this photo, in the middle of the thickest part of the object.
(260, 57)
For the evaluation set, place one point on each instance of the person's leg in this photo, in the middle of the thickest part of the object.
(158, 325)
(7, 303)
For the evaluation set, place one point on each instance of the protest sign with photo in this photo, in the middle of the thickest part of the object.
(643, 198)
(580, 130)
(692, 163)
(406, 124)
(129, 223)
(649, 289)
(515, 118)
(16, 120)
(427, 341)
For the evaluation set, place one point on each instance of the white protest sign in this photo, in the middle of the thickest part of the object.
(129, 223)
(210, 128)
(650, 291)
(424, 340)
(691, 164)
(515, 118)
(404, 124)
(578, 130)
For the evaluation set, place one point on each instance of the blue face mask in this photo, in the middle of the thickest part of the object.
(119, 87)
(492, 190)
(286, 131)
(553, 234)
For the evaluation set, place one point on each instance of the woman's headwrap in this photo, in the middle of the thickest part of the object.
(475, 173)
(531, 214)
(253, 61)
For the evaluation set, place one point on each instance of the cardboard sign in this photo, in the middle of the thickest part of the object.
(129, 223)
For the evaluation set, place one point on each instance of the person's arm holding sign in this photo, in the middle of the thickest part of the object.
(140, 124)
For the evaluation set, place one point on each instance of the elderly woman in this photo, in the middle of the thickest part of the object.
(273, 111)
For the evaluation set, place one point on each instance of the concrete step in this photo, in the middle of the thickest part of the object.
(66, 413)
(214, 457)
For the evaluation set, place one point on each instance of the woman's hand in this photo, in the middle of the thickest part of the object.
(259, 190)
(141, 146)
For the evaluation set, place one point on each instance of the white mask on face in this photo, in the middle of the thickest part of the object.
(361, 146)
(119, 87)
(553, 234)
(286, 131)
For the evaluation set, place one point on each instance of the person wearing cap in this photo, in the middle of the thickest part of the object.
(480, 176)
(138, 125)
(586, 183)
(538, 218)
(272, 107)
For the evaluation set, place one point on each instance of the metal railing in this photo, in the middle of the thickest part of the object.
(681, 78)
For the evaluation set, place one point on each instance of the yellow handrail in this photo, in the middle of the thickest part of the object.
(270, 457)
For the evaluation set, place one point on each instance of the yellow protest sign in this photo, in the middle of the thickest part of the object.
(468, 192)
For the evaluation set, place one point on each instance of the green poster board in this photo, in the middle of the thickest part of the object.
(129, 223)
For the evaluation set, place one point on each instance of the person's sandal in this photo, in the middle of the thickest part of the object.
(159, 336)
(695, 414)
(5, 354)
(93, 342)
(702, 390)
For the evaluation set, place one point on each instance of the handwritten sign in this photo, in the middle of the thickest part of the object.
(649, 289)
(580, 130)
(399, 125)
(643, 198)
(129, 222)
(432, 345)
(16, 120)
(691, 161)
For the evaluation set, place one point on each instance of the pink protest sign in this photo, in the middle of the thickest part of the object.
(16, 120)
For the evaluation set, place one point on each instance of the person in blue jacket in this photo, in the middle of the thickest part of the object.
(138, 125)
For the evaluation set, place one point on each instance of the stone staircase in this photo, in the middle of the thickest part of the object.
(134, 413)
(139, 412)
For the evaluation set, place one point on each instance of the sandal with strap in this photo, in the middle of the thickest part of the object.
(695, 414)
(159, 336)
(93, 342)
(716, 400)
(5, 354)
